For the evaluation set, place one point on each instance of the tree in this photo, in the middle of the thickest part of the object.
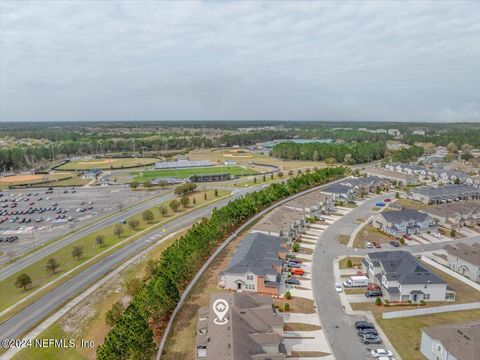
(134, 184)
(133, 286)
(290, 172)
(185, 200)
(23, 281)
(453, 232)
(296, 247)
(52, 265)
(216, 193)
(378, 301)
(147, 184)
(77, 252)
(286, 307)
(162, 210)
(254, 180)
(152, 267)
(397, 195)
(100, 240)
(264, 178)
(194, 200)
(349, 263)
(452, 148)
(174, 204)
(118, 230)
(133, 224)
(288, 295)
(280, 174)
(147, 216)
(112, 315)
(204, 196)
(185, 189)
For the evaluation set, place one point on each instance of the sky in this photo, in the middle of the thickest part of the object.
(252, 60)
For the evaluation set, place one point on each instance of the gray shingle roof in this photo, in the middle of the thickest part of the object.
(404, 215)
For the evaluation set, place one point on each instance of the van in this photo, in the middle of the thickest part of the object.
(356, 281)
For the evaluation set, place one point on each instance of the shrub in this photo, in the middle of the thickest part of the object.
(147, 216)
(422, 302)
(174, 205)
(453, 232)
(114, 314)
(286, 307)
(296, 247)
(23, 281)
(378, 301)
(349, 263)
(133, 224)
(100, 240)
(133, 286)
(288, 295)
(402, 241)
(118, 230)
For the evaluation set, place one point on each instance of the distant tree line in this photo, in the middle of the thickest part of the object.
(357, 153)
(131, 336)
(407, 155)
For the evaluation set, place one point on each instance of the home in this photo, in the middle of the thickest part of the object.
(284, 221)
(418, 132)
(403, 222)
(444, 194)
(451, 341)
(239, 326)
(403, 278)
(394, 132)
(256, 265)
(366, 184)
(395, 177)
(92, 174)
(464, 259)
(409, 169)
(312, 202)
(340, 192)
(455, 215)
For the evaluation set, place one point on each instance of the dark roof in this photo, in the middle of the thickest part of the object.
(460, 340)
(257, 253)
(337, 189)
(469, 253)
(404, 215)
(404, 268)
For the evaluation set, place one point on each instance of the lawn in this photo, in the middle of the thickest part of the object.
(356, 261)
(412, 204)
(186, 173)
(404, 333)
(112, 163)
(343, 239)
(369, 233)
(9, 294)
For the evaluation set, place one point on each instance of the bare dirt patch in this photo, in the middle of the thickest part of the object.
(99, 162)
(22, 178)
(300, 327)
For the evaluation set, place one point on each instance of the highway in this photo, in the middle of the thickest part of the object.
(23, 321)
(43, 252)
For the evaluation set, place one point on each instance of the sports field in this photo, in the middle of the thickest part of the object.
(186, 173)
(31, 179)
(87, 164)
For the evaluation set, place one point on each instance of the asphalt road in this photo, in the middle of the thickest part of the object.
(41, 253)
(23, 321)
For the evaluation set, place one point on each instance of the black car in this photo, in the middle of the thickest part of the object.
(367, 331)
(394, 243)
(363, 325)
(292, 281)
(373, 293)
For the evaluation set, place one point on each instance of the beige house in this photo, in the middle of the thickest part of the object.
(464, 259)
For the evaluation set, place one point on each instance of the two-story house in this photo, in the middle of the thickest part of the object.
(403, 278)
(403, 222)
(283, 221)
(256, 265)
(464, 259)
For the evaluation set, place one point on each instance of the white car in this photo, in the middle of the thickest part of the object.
(385, 358)
(368, 245)
(437, 235)
(338, 287)
(377, 353)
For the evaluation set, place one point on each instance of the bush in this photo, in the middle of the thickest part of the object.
(147, 216)
(100, 240)
(402, 241)
(288, 295)
(296, 247)
(286, 307)
(133, 224)
(174, 205)
(349, 263)
(453, 232)
(114, 314)
(133, 286)
(378, 301)
(397, 195)
(118, 230)
(422, 302)
(185, 201)
(185, 189)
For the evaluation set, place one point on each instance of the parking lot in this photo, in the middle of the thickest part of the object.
(31, 217)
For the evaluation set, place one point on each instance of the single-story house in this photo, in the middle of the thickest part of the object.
(92, 174)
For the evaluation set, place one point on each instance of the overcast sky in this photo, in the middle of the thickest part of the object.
(142, 60)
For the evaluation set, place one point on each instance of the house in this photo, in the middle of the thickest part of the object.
(403, 222)
(239, 326)
(395, 177)
(403, 278)
(312, 202)
(366, 184)
(418, 132)
(92, 174)
(340, 192)
(451, 341)
(444, 194)
(284, 221)
(256, 265)
(455, 215)
(464, 259)
(394, 132)
(409, 169)
(209, 177)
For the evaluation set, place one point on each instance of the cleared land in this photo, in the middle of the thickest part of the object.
(187, 172)
(27, 179)
(108, 163)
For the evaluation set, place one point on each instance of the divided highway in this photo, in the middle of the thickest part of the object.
(41, 253)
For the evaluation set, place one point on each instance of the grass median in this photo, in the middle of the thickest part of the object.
(10, 294)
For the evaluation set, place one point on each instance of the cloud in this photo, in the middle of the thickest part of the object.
(152, 60)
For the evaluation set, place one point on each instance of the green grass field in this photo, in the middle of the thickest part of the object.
(107, 163)
(186, 173)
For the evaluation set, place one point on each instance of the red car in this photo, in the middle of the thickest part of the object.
(387, 200)
(408, 237)
(377, 244)
(297, 271)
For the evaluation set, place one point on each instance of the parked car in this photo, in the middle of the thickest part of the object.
(377, 244)
(437, 235)
(380, 352)
(371, 339)
(292, 281)
(338, 287)
(387, 200)
(369, 331)
(408, 237)
(362, 324)
(368, 245)
(380, 204)
(395, 243)
(297, 271)
(373, 293)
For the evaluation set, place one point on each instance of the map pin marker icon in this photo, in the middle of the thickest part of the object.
(220, 308)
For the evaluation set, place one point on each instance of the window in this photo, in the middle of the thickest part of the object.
(426, 296)
(439, 348)
(249, 277)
